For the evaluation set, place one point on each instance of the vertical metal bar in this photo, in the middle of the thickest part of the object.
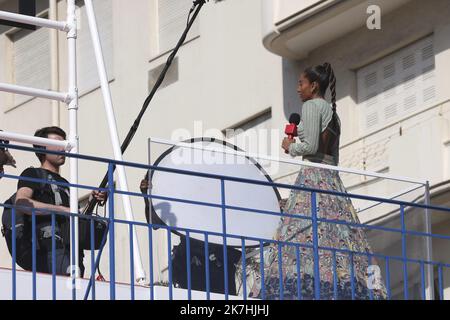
(92, 256)
(188, 263)
(33, 248)
(150, 232)
(428, 246)
(131, 261)
(14, 253)
(112, 272)
(388, 279)
(224, 230)
(369, 263)
(404, 254)
(97, 260)
(315, 247)
(54, 55)
(149, 177)
(280, 271)
(335, 277)
(352, 275)
(261, 269)
(244, 269)
(441, 287)
(169, 257)
(299, 275)
(208, 294)
(150, 244)
(422, 281)
(53, 257)
(73, 137)
(74, 256)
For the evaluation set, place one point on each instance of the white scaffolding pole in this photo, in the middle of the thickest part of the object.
(17, 137)
(70, 98)
(39, 93)
(40, 22)
(140, 274)
(73, 129)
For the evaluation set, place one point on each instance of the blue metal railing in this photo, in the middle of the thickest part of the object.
(315, 247)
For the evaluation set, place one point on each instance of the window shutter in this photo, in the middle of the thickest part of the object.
(399, 84)
(31, 61)
(88, 79)
(172, 17)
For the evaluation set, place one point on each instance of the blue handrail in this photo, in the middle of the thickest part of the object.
(282, 245)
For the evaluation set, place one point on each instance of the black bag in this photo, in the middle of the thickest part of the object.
(216, 266)
(23, 230)
(84, 232)
(23, 235)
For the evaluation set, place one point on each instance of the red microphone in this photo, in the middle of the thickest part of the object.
(291, 128)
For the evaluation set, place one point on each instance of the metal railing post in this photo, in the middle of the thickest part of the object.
(33, 249)
(14, 253)
(404, 253)
(73, 138)
(428, 247)
(53, 257)
(112, 272)
(315, 246)
(224, 231)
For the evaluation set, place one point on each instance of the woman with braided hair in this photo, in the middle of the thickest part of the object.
(319, 133)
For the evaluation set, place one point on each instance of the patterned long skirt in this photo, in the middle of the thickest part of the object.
(346, 268)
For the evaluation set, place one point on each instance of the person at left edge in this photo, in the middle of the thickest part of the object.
(6, 159)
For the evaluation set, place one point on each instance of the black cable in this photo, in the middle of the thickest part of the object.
(198, 4)
(158, 83)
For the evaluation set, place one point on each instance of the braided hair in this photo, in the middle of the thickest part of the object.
(324, 76)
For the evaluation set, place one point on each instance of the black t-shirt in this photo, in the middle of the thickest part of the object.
(44, 193)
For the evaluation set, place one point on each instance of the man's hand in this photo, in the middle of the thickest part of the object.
(100, 196)
(144, 184)
(286, 143)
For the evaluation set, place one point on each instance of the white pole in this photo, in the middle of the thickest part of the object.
(140, 274)
(429, 292)
(11, 136)
(73, 128)
(40, 93)
(40, 22)
(53, 15)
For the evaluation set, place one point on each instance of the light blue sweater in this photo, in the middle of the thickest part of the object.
(316, 115)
